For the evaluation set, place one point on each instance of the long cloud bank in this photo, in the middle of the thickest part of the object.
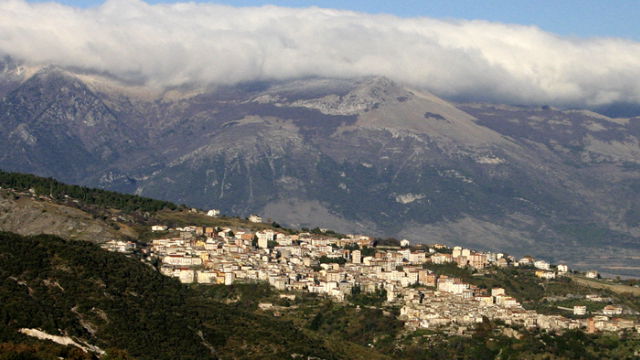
(194, 43)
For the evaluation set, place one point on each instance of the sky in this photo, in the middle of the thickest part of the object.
(567, 53)
(580, 18)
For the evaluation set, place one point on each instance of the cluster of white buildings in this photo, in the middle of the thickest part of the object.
(336, 267)
(121, 246)
(293, 262)
(460, 311)
(456, 307)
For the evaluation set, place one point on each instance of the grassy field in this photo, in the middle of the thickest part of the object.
(599, 284)
(183, 218)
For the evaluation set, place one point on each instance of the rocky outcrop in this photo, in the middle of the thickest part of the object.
(26, 215)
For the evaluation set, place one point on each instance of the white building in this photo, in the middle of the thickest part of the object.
(579, 310)
(255, 218)
(542, 265)
(441, 258)
(229, 278)
(451, 285)
(159, 228)
(417, 257)
(545, 274)
(611, 310)
(181, 260)
(457, 251)
(206, 277)
(484, 300)
(506, 301)
(264, 237)
(213, 212)
(356, 256)
(185, 275)
(119, 246)
(526, 261)
(592, 274)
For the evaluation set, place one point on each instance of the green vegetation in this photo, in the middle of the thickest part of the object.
(119, 303)
(368, 251)
(89, 196)
(363, 299)
(531, 291)
(444, 250)
(368, 325)
(241, 296)
(184, 218)
(387, 242)
(332, 260)
(519, 283)
(364, 326)
(624, 294)
(486, 342)
(331, 233)
(352, 247)
(127, 308)
(131, 311)
(450, 269)
(42, 351)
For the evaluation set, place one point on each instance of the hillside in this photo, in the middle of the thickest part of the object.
(115, 307)
(101, 301)
(365, 155)
(28, 216)
(33, 205)
(108, 301)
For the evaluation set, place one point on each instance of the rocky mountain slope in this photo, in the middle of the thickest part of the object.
(367, 155)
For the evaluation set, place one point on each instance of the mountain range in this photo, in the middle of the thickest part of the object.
(354, 155)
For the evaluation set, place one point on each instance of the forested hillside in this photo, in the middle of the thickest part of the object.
(121, 305)
(89, 196)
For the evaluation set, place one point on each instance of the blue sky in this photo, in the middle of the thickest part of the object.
(580, 18)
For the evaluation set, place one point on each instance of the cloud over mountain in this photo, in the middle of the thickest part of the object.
(192, 43)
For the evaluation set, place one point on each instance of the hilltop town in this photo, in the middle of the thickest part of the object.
(339, 266)
(361, 296)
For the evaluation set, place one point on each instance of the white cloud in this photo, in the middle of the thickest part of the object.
(206, 43)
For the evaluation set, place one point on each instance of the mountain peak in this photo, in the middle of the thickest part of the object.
(344, 98)
(377, 82)
(377, 90)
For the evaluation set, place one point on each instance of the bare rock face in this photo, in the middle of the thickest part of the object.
(52, 124)
(366, 155)
(26, 216)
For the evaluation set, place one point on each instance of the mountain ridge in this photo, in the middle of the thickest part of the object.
(365, 155)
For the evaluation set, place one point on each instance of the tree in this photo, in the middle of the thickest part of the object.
(116, 354)
(324, 259)
(352, 246)
(368, 251)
